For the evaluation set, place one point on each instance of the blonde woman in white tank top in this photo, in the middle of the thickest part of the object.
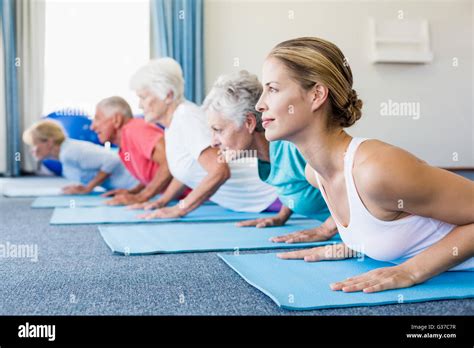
(385, 202)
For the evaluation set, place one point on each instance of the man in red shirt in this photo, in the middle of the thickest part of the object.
(142, 150)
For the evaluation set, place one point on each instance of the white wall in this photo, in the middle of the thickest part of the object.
(247, 30)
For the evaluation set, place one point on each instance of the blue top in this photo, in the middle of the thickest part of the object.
(285, 172)
(82, 160)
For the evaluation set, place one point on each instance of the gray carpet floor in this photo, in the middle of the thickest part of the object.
(76, 274)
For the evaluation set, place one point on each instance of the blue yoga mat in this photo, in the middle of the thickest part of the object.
(122, 215)
(75, 201)
(199, 237)
(89, 200)
(300, 285)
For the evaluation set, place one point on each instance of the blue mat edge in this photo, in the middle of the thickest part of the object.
(235, 219)
(148, 221)
(278, 246)
(36, 206)
(289, 307)
(223, 258)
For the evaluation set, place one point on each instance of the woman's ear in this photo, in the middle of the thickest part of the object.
(250, 122)
(318, 94)
(169, 98)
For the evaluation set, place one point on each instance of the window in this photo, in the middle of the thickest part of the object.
(92, 49)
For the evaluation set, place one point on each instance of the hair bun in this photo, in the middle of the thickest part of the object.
(310, 61)
(353, 109)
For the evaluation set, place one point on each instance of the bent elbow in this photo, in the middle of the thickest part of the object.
(222, 174)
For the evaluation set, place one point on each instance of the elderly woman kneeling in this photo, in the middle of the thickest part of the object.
(238, 129)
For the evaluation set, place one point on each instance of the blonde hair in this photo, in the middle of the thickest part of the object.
(312, 60)
(44, 130)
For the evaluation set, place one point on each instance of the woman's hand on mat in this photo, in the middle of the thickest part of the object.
(163, 213)
(380, 279)
(114, 192)
(148, 205)
(76, 190)
(126, 199)
(310, 235)
(337, 251)
(265, 222)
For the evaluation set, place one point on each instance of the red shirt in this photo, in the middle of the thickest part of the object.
(138, 139)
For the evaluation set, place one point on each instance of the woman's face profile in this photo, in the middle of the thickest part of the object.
(284, 105)
(41, 149)
(153, 107)
(227, 135)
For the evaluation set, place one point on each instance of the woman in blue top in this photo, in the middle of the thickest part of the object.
(89, 164)
(238, 133)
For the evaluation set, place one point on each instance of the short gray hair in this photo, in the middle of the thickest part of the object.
(113, 104)
(234, 96)
(160, 76)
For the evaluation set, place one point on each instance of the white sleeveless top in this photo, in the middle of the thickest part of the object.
(392, 241)
(186, 137)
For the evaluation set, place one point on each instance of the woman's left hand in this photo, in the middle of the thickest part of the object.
(163, 213)
(76, 190)
(125, 199)
(378, 280)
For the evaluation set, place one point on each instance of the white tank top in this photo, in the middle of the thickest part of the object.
(392, 241)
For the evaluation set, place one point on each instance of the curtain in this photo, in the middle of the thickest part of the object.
(177, 32)
(13, 157)
(23, 28)
(3, 131)
(30, 30)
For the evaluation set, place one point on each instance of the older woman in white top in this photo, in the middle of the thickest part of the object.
(192, 161)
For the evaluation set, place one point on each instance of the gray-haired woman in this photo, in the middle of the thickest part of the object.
(237, 130)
